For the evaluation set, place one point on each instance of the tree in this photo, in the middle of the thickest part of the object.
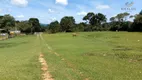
(137, 24)
(131, 16)
(98, 19)
(122, 17)
(88, 17)
(105, 27)
(125, 15)
(112, 19)
(7, 22)
(1, 22)
(54, 27)
(79, 27)
(95, 20)
(119, 22)
(24, 26)
(140, 12)
(35, 25)
(67, 23)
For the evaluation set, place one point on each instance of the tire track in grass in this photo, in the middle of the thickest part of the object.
(44, 67)
(69, 64)
(45, 75)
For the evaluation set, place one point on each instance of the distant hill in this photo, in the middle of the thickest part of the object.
(44, 25)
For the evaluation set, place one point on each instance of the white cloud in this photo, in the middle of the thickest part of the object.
(63, 2)
(83, 13)
(20, 16)
(20, 3)
(51, 11)
(102, 7)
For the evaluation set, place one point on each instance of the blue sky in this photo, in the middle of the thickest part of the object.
(50, 10)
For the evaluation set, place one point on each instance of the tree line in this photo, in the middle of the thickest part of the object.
(98, 22)
(8, 23)
(92, 22)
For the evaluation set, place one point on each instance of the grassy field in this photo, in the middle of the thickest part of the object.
(89, 56)
(19, 59)
(95, 56)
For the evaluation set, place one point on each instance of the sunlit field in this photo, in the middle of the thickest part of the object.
(88, 56)
(19, 59)
(94, 56)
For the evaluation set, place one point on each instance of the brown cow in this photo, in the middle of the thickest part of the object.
(74, 34)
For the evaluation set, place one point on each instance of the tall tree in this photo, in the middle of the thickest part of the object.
(138, 19)
(88, 17)
(119, 22)
(137, 24)
(125, 15)
(122, 17)
(1, 22)
(7, 22)
(95, 20)
(112, 19)
(54, 27)
(35, 25)
(67, 23)
(98, 19)
(140, 12)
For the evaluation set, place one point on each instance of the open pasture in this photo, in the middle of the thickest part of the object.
(88, 56)
(94, 56)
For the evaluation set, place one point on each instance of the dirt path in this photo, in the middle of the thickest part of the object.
(44, 67)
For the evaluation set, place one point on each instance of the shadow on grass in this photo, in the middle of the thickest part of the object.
(9, 45)
(121, 48)
(120, 55)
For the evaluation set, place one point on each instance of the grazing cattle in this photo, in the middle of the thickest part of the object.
(74, 34)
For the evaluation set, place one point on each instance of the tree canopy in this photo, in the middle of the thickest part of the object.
(35, 25)
(54, 27)
(7, 22)
(140, 12)
(67, 23)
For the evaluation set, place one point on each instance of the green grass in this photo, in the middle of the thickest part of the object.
(95, 56)
(89, 56)
(19, 59)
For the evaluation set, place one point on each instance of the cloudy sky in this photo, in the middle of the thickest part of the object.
(50, 10)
